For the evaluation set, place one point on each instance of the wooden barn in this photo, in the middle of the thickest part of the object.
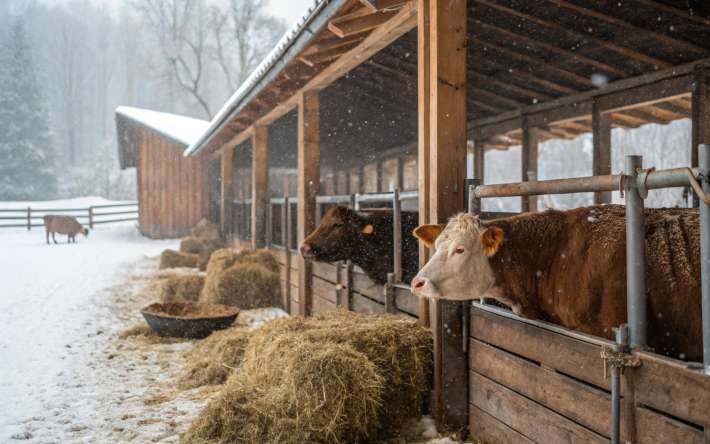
(383, 102)
(173, 191)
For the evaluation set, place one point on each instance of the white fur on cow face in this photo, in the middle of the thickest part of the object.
(459, 269)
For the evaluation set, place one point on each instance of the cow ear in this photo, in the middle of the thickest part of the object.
(368, 229)
(428, 233)
(491, 240)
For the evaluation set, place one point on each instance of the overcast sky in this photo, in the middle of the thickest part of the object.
(289, 10)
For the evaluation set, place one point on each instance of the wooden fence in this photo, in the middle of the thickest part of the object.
(93, 215)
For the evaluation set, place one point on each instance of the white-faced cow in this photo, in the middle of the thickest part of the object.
(365, 238)
(569, 267)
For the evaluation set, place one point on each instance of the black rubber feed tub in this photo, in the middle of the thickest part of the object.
(188, 319)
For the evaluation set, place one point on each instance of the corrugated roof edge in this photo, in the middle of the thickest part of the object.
(290, 44)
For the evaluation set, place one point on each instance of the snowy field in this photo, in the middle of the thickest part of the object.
(49, 304)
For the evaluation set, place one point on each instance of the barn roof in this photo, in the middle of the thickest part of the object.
(181, 130)
(554, 62)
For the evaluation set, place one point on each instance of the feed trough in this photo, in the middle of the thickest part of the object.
(188, 319)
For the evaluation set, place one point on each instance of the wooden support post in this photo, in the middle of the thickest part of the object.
(259, 185)
(700, 117)
(424, 110)
(479, 161)
(443, 24)
(529, 163)
(601, 153)
(91, 217)
(29, 218)
(227, 191)
(308, 187)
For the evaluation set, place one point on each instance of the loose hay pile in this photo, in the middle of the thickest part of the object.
(202, 247)
(246, 278)
(339, 377)
(182, 288)
(212, 360)
(176, 259)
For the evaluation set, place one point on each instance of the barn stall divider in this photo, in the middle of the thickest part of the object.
(341, 284)
(532, 381)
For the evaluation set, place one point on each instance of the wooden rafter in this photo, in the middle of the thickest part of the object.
(360, 21)
(332, 42)
(379, 5)
(675, 11)
(623, 50)
(328, 55)
(491, 97)
(508, 86)
(626, 120)
(534, 62)
(658, 36)
(555, 49)
(529, 78)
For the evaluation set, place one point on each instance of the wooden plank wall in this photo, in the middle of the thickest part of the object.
(530, 384)
(172, 194)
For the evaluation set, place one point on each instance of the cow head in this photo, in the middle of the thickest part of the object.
(339, 233)
(85, 231)
(459, 268)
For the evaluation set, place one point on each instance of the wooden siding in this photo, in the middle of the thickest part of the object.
(528, 383)
(172, 195)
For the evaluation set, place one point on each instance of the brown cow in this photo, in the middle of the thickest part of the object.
(63, 225)
(365, 238)
(569, 267)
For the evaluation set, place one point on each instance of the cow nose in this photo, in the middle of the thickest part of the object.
(305, 249)
(417, 284)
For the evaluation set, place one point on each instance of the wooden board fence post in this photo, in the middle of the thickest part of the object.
(308, 187)
(443, 24)
(29, 218)
(601, 154)
(423, 42)
(227, 191)
(259, 186)
(528, 163)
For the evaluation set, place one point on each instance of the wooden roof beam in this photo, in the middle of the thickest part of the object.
(360, 21)
(569, 75)
(575, 125)
(658, 36)
(557, 50)
(379, 5)
(693, 17)
(331, 43)
(508, 86)
(526, 77)
(327, 55)
(622, 50)
(492, 97)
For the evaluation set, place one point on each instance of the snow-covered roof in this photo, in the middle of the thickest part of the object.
(272, 64)
(181, 129)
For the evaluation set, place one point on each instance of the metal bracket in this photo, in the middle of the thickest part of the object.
(641, 177)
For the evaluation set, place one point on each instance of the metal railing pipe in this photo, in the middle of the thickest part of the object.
(704, 163)
(397, 235)
(608, 182)
(473, 203)
(670, 178)
(635, 254)
(622, 341)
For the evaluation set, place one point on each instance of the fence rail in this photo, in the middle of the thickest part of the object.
(29, 217)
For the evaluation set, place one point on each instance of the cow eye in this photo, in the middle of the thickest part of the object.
(458, 250)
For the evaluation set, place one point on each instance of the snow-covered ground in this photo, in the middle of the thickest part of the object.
(50, 302)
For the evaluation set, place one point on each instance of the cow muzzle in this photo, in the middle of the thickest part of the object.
(307, 251)
(423, 286)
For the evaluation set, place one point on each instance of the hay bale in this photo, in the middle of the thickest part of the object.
(200, 245)
(224, 258)
(175, 259)
(400, 349)
(246, 285)
(182, 288)
(325, 393)
(207, 229)
(214, 359)
(339, 377)
(142, 332)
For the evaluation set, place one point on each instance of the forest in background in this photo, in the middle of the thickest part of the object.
(179, 56)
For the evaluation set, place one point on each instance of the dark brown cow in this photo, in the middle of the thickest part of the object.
(569, 267)
(365, 238)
